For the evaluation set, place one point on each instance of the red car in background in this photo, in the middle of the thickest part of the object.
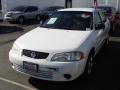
(110, 12)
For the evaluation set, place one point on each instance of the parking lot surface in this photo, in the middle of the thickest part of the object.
(105, 76)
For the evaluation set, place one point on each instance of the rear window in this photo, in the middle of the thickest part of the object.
(19, 8)
(106, 9)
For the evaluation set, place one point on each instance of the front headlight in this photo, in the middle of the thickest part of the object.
(16, 49)
(67, 57)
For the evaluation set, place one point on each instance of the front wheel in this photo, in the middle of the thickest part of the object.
(89, 66)
(21, 20)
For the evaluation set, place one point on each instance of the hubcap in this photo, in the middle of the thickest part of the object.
(21, 20)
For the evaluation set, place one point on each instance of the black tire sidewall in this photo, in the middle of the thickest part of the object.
(87, 67)
(21, 17)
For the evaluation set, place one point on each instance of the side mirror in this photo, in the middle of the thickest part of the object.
(99, 26)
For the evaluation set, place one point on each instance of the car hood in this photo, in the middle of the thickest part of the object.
(52, 40)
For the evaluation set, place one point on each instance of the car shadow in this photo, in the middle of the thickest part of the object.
(52, 85)
(4, 29)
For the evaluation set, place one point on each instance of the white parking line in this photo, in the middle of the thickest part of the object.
(15, 83)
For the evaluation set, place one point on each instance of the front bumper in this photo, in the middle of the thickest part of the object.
(10, 18)
(47, 70)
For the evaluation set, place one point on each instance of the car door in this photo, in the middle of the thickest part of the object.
(29, 13)
(99, 30)
(34, 12)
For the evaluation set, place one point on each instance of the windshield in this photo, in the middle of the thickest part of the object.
(71, 20)
(20, 8)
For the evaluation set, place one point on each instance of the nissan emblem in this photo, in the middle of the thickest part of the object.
(33, 55)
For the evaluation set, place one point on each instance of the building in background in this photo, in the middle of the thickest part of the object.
(6, 5)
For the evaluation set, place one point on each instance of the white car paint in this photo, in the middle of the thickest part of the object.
(59, 40)
(55, 41)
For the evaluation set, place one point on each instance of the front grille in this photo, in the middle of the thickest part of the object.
(35, 54)
(39, 74)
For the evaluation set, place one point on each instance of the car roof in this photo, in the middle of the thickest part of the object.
(56, 6)
(79, 9)
(25, 6)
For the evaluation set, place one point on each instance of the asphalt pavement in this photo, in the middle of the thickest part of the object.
(105, 76)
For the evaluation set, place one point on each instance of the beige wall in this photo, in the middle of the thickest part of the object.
(8, 4)
(82, 3)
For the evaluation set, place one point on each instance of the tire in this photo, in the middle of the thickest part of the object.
(38, 17)
(21, 20)
(89, 66)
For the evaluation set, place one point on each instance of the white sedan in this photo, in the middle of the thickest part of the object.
(63, 47)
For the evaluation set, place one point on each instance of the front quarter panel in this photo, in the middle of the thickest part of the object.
(88, 44)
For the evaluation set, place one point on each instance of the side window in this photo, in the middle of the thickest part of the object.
(31, 9)
(34, 9)
(97, 19)
(28, 10)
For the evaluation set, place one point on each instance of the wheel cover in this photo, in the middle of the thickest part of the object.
(21, 20)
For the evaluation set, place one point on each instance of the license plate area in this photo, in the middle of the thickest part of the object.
(30, 66)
